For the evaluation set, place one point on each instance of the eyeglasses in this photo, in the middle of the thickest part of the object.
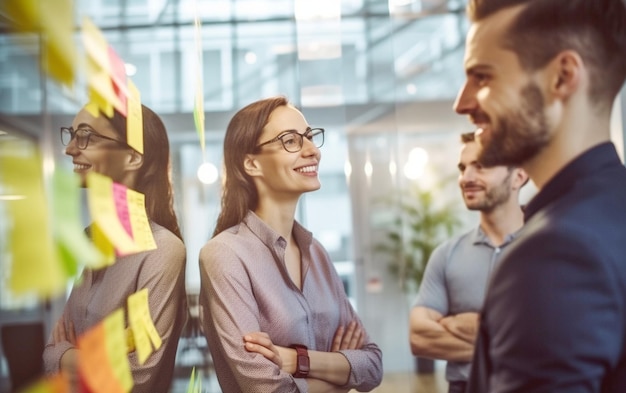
(82, 136)
(292, 140)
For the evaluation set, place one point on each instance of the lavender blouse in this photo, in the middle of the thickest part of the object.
(245, 287)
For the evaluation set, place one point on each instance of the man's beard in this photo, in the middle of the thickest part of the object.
(494, 196)
(520, 135)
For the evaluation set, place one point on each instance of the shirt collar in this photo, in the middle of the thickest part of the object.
(271, 238)
(562, 183)
(479, 237)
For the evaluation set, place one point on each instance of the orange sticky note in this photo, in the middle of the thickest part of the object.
(102, 360)
(134, 120)
(57, 383)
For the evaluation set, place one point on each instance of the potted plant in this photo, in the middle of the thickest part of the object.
(419, 223)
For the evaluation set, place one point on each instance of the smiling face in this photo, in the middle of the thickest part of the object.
(483, 188)
(278, 172)
(101, 155)
(500, 97)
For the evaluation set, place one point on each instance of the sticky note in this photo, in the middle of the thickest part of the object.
(75, 248)
(104, 213)
(142, 233)
(118, 76)
(103, 363)
(134, 120)
(32, 269)
(144, 332)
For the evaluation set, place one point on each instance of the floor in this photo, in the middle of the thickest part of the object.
(392, 383)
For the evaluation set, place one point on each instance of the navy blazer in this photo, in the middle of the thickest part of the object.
(554, 319)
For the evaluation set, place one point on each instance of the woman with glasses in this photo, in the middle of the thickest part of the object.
(98, 144)
(274, 310)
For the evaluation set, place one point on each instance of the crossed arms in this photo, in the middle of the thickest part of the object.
(435, 336)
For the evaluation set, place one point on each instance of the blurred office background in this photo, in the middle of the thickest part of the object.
(379, 75)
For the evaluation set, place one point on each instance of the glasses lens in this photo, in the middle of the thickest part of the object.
(66, 136)
(82, 138)
(316, 135)
(292, 142)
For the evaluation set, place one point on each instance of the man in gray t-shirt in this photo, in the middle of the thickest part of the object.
(444, 319)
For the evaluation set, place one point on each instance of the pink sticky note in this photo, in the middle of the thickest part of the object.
(121, 205)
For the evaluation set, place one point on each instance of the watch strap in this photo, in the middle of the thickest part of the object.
(302, 361)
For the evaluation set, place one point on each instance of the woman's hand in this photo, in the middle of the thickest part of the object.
(348, 338)
(261, 343)
(60, 333)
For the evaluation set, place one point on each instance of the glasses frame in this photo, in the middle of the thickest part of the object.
(309, 133)
(73, 135)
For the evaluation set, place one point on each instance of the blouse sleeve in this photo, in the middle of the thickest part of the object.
(53, 352)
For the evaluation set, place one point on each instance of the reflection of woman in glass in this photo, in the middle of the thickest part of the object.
(98, 144)
(274, 310)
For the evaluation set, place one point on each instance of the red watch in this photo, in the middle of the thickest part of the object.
(302, 361)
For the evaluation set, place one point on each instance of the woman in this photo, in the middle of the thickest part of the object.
(98, 144)
(274, 310)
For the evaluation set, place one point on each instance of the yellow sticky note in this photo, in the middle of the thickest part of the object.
(98, 103)
(32, 269)
(104, 246)
(25, 14)
(54, 22)
(99, 71)
(116, 348)
(95, 44)
(195, 382)
(68, 232)
(198, 108)
(58, 29)
(144, 331)
(134, 120)
(142, 233)
(100, 90)
(104, 213)
(93, 108)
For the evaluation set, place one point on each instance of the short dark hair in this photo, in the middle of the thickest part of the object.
(595, 29)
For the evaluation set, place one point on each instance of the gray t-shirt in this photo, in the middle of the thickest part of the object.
(455, 281)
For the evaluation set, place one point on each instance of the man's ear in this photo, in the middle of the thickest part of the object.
(566, 71)
(135, 160)
(251, 165)
(520, 178)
